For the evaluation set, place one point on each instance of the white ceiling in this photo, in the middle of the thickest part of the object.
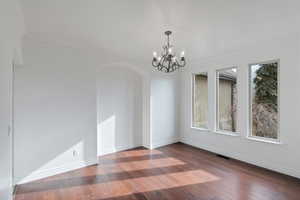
(134, 28)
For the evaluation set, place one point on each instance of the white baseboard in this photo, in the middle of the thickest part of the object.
(260, 163)
(164, 142)
(11, 193)
(117, 149)
(146, 146)
(39, 174)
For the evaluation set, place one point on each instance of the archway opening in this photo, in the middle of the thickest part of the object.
(119, 110)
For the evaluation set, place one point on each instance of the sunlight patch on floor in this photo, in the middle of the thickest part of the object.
(131, 153)
(129, 186)
(140, 165)
(152, 183)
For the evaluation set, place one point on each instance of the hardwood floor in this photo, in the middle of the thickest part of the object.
(173, 172)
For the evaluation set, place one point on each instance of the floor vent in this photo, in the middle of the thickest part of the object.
(224, 157)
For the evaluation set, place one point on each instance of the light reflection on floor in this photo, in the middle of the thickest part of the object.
(125, 173)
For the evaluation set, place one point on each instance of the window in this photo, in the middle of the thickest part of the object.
(200, 101)
(264, 100)
(226, 99)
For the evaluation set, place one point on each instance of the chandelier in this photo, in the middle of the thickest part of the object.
(168, 61)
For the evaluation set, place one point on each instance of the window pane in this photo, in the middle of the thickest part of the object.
(264, 99)
(200, 101)
(227, 99)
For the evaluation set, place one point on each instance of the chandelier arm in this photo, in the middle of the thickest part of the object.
(164, 58)
(175, 66)
(181, 65)
(153, 63)
(163, 61)
(177, 63)
(169, 66)
(159, 64)
(184, 63)
(165, 65)
(171, 69)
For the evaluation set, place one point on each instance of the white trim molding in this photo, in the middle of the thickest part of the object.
(39, 174)
(164, 142)
(264, 163)
(117, 149)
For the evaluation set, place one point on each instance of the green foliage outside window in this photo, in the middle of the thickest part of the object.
(266, 85)
(264, 93)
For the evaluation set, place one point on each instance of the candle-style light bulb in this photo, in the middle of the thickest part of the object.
(159, 58)
(154, 54)
(170, 50)
(182, 54)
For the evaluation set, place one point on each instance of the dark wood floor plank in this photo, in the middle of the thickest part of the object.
(173, 172)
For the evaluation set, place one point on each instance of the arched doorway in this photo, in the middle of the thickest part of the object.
(120, 109)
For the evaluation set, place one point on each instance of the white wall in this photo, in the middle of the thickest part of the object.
(55, 111)
(164, 109)
(120, 109)
(280, 157)
(58, 93)
(5, 139)
(156, 101)
(12, 28)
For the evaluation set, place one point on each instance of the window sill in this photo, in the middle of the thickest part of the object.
(200, 129)
(263, 140)
(235, 134)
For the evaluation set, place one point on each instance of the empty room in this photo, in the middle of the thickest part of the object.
(149, 100)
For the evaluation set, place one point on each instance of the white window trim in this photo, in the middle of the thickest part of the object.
(200, 129)
(249, 132)
(262, 139)
(229, 133)
(217, 129)
(193, 100)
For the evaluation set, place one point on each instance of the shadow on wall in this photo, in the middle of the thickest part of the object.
(119, 108)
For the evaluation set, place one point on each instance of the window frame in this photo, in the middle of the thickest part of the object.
(193, 100)
(217, 128)
(250, 120)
